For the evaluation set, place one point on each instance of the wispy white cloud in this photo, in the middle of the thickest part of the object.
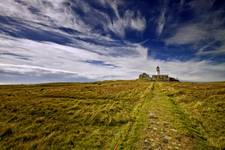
(161, 21)
(196, 34)
(60, 13)
(138, 23)
(47, 55)
(130, 19)
(52, 13)
(188, 34)
(202, 31)
(209, 50)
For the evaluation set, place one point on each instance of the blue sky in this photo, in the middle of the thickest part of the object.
(89, 40)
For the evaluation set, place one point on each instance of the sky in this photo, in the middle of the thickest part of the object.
(90, 40)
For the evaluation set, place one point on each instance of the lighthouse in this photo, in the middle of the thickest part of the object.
(158, 70)
(158, 76)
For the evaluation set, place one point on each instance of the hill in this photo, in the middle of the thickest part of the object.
(113, 115)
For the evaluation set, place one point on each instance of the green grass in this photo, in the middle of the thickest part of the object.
(66, 116)
(204, 105)
(112, 115)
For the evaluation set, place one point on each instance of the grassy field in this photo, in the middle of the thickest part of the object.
(113, 115)
(204, 103)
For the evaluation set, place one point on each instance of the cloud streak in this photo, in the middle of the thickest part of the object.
(189, 34)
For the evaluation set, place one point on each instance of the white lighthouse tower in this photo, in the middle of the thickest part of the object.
(158, 70)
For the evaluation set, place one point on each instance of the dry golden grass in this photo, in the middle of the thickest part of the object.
(109, 114)
(52, 116)
(204, 103)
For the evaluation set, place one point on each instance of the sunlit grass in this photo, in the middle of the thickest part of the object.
(67, 115)
(204, 103)
(109, 115)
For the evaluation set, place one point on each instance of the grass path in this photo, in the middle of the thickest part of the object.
(131, 137)
(161, 124)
